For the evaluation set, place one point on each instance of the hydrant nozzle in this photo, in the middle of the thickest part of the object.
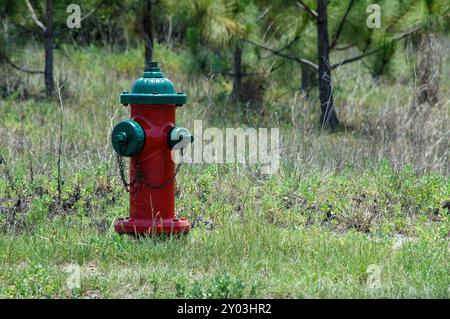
(179, 138)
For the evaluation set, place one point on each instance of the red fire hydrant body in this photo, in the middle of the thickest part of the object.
(149, 138)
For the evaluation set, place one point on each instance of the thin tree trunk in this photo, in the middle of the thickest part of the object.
(236, 93)
(328, 118)
(169, 32)
(428, 70)
(48, 44)
(307, 75)
(148, 30)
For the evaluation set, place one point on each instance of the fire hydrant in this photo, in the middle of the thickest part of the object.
(150, 139)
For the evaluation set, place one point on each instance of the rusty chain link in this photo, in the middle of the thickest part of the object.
(121, 165)
(139, 178)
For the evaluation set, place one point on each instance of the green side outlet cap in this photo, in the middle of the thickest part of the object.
(128, 138)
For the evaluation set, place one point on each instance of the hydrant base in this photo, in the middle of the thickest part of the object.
(151, 226)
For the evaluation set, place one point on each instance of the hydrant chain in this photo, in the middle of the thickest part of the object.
(126, 185)
(140, 178)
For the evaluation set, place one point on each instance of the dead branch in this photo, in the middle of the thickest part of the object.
(308, 9)
(8, 61)
(281, 54)
(34, 16)
(368, 53)
(341, 24)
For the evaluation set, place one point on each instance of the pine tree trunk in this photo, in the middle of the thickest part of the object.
(307, 75)
(48, 45)
(328, 118)
(428, 70)
(237, 73)
(147, 30)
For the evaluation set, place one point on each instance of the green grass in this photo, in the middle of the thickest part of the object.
(284, 238)
(249, 260)
(375, 193)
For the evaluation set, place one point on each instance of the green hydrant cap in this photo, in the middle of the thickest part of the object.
(153, 88)
(128, 138)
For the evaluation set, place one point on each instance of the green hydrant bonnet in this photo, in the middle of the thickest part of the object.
(153, 88)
